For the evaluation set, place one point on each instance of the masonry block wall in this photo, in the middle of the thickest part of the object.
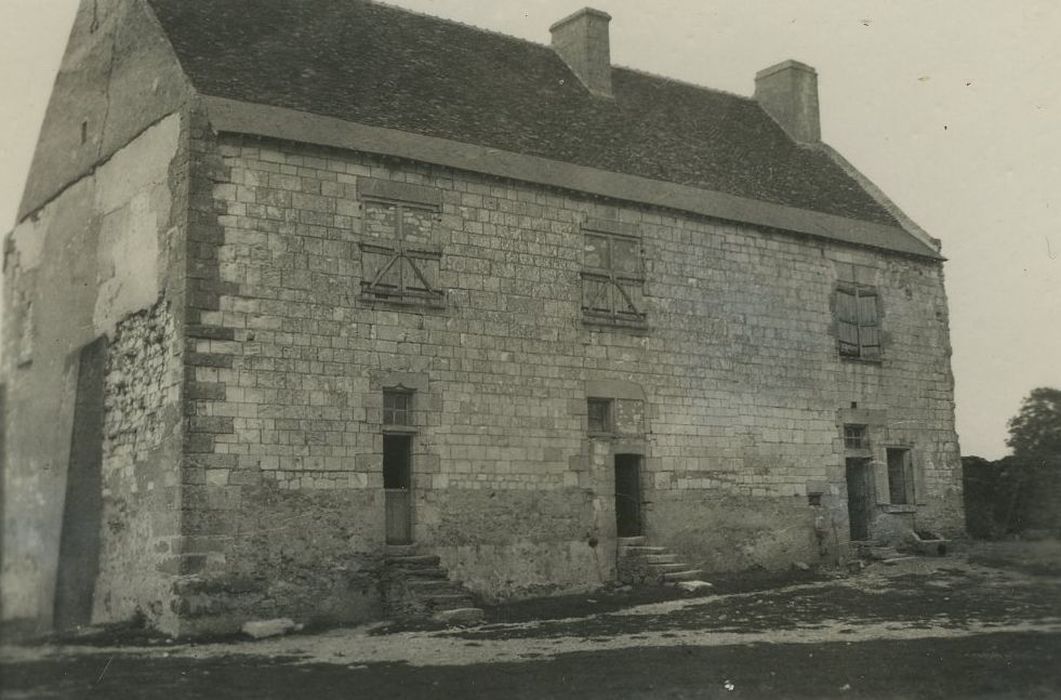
(743, 387)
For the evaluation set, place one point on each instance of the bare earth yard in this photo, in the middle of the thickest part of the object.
(985, 623)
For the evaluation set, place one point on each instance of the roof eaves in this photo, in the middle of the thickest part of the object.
(234, 116)
(886, 203)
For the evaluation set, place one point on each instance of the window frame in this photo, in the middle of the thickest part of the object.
(906, 485)
(865, 331)
(609, 415)
(408, 412)
(856, 437)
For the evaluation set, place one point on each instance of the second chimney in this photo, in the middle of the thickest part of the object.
(788, 92)
(581, 40)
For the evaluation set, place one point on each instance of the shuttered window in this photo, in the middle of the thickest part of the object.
(399, 254)
(858, 322)
(612, 275)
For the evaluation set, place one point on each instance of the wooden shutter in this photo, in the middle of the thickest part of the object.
(908, 476)
(847, 321)
(868, 324)
(880, 481)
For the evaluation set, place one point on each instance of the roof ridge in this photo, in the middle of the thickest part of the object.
(456, 22)
(495, 32)
(683, 83)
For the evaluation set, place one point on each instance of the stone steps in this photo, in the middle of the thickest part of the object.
(686, 575)
(641, 550)
(417, 587)
(641, 563)
(413, 561)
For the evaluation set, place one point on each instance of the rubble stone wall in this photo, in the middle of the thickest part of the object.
(141, 451)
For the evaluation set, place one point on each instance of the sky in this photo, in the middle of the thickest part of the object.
(952, 107)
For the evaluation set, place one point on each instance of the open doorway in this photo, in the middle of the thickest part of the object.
(628, 495)
(397, 488)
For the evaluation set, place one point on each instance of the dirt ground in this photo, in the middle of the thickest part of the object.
(981, 623)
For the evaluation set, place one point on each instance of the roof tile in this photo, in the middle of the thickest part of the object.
(383, 66)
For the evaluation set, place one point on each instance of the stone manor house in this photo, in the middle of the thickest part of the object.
(295, 281)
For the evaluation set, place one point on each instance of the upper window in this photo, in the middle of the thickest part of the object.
(397, 407)
(855, 437)
(900, 477)
(858, 322)
(857, 313)
(399, 255)
(612, 274)
(600, 415)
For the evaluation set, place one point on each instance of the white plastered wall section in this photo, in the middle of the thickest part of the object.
(96, 253)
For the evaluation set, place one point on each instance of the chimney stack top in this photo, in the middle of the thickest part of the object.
(788, 91)
(581, 40)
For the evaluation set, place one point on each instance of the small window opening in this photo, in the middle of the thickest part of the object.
(600, 415)
(855, 437)
(84, 132)
(397, 408)
(814, 499)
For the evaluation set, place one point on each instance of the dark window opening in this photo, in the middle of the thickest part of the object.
(855, 437)
(397, 408)
(900, 477)
(814, 499)
(858, 322)
(600, 415)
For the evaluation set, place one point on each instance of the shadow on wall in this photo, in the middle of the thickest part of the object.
(79, 542)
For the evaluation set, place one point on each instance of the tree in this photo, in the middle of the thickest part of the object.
(1035, 432)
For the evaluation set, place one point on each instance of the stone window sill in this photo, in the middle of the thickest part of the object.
(863, 360)
(894, 508)
(602, 323)
(426, 304)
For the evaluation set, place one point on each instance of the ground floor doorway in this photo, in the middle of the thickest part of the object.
(859, 497)
(628, 495)
(397, 488)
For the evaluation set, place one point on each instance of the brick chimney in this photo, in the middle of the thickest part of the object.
(581, 40)
(788, 92)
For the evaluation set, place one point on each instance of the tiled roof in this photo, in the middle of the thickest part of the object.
(383, 66)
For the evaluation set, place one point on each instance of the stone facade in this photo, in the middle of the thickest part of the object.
(215, 314)
(745, 396)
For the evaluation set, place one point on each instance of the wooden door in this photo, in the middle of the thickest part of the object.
(859, 497)
(628, 495)
(397, 488)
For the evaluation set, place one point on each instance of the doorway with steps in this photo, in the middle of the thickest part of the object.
(397, 488)
(628, 517)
